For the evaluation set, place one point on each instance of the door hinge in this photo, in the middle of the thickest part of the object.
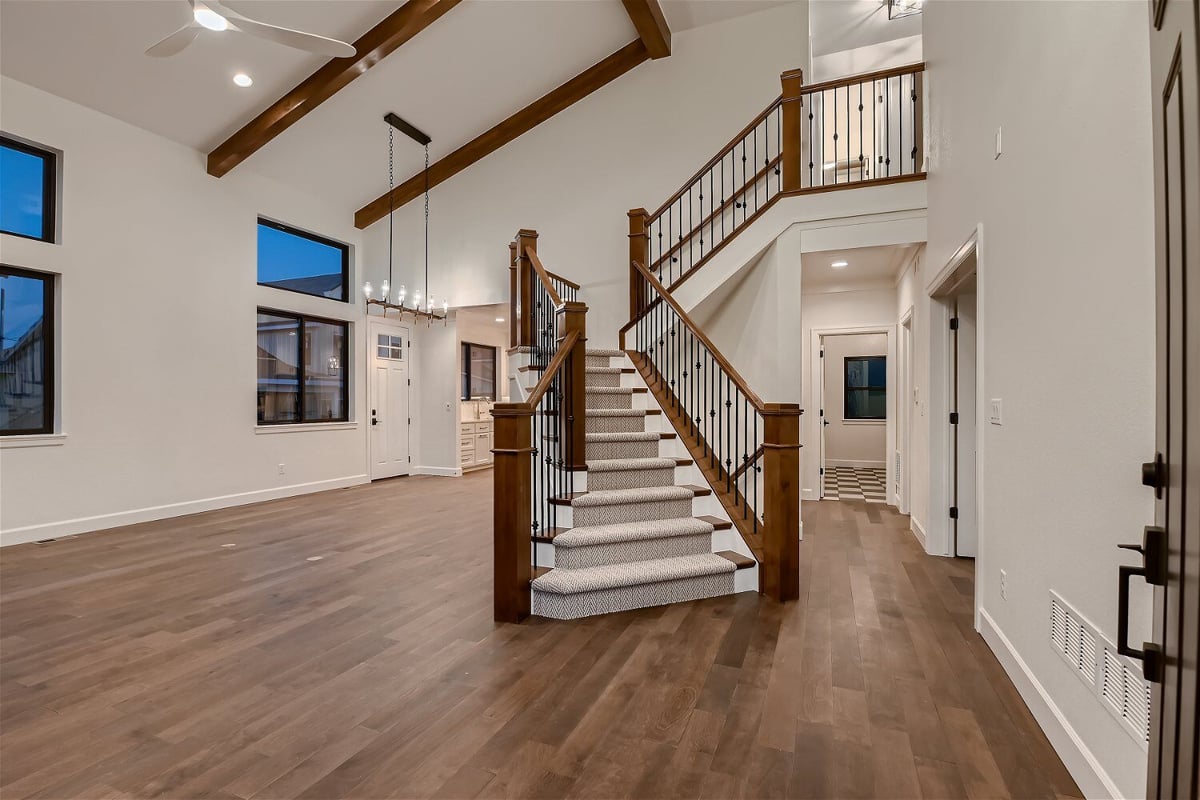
(953, 417)
(954, 323)
(822, 353)
(822, 470)
(953, 512)
(822, 412)
(410, 459)
(410, 420)
(410, 381)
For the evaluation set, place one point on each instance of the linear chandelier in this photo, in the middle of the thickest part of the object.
(421, 306)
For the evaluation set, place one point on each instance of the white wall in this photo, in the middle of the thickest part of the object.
(874, 308)
(868, 58)
(910, 298)
(157, 362)
(852, 443)
(1067, 329)
(573, 178)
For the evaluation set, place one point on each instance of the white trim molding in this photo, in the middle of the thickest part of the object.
(1083, 765)
(33, 440)
(70, 527)
(918, 530)
(304, 427)
(857, 463)
(445, 472)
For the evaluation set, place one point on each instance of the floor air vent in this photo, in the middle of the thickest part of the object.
(1116, 680)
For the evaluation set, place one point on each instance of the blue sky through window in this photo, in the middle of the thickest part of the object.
(290, 261)
(22, 177)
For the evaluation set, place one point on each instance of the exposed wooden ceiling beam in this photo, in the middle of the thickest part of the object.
(373, 46)
(526, 119)
(647, 16)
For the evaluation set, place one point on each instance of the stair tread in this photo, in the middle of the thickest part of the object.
(637, 573)
(610, 370)
(616, 390)
(717, 523)
(698, 491)
(601, 353)
(621, 412)
(630, 464)
(632, 436)
(632, 532)
(613, 497)
(737, 559)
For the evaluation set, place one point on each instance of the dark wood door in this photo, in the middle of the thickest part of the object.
(1172, 662)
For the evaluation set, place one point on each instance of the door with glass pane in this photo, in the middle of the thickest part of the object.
(389, 352)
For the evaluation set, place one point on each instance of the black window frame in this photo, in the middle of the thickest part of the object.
(48, 348)
(312, 237)
(49, 187)
(301, 367)
(465, 354)
(847, 388)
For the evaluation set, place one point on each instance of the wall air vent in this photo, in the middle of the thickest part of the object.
(1116, 680)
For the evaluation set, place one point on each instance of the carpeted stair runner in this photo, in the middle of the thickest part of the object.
(635, 540)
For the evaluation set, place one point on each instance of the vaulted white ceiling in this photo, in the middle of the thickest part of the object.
(469, 70)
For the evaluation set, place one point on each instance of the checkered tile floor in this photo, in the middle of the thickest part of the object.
(856, 483)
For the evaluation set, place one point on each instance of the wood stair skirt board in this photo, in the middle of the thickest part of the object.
(731, 499)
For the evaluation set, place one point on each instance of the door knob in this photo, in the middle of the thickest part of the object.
(1154, 571)
(1154, 475)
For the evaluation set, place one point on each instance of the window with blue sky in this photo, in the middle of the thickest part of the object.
(26, 351)
(303, 262)
(866, 388)
(27, 184)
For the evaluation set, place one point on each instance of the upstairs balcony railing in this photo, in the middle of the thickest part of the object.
(864, 129)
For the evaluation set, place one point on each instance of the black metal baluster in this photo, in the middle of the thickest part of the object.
(913, 79)
(887, 121)
(810, 139)
(860, 132)
(900, 103)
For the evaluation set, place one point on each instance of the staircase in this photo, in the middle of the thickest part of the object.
(635, 538)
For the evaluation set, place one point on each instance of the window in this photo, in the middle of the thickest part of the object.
(301, 369)
(27, 189)
(866, 387)
(26, 352)
(390, 346)
(298, 261)
(478, 371)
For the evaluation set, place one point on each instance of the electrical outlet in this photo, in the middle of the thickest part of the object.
(1003, 585)
(995, 414)
(282, 469)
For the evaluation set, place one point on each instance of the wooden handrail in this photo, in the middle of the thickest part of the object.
(699, 334)
(747, 464)
(544, 276)
(720, 154)
(560, 357)
(563, 280)
(851, 80)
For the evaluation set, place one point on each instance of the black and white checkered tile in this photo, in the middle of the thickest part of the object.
(856, 483)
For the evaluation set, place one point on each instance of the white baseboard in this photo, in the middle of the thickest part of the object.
(445, 472)
(809, 494)
(1087, 771)
(99, 522)
(918, 530)
(849, 462)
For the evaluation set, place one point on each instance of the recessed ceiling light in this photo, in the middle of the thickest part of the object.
(840, 264)
(210, 19)
(243, 80)
(499, 319)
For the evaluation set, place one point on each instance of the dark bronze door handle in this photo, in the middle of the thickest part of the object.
(1154, 571)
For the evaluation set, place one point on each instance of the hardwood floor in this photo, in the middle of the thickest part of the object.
(207, 656)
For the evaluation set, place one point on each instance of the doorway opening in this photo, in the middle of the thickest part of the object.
(389, 354)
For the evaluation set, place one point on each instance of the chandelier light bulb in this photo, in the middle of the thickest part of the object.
(383, 289)
(367, 289)
(400, 294)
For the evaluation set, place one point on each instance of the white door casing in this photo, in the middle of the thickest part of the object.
(388, 353)
(966, 463)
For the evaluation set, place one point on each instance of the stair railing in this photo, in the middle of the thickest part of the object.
(539, 444)
(748, 450)
(864, 129)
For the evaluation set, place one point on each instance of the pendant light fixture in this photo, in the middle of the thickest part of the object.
(422, 306)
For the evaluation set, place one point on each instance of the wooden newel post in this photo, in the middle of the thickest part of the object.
(512, 294)
(639, 251)
(512, 514)
(526, 240)
(572, 317)
(793, 111)
(780, 568)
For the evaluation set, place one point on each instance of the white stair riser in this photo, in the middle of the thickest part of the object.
(631, 512)
(604, 601)
(631, 479)
(602, 451)
(603, 379)
(597, 400)
(544, 554)
(602, 424)
(626, 552)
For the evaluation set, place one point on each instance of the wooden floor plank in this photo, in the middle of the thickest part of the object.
(152, 660)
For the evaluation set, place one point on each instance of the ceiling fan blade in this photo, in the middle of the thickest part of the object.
(321, 45)
(175, 42)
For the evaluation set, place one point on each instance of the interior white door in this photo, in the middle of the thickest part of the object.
(967, 538)
(822, 423)
(390, 351)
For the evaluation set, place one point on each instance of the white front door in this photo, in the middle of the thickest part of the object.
(389, 350)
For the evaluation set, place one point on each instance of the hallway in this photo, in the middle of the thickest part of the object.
(158, 660)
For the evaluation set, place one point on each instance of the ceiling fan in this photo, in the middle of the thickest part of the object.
(213, 16)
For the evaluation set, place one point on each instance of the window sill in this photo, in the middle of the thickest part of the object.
(305, 427)
(864, 422)
(33, 440)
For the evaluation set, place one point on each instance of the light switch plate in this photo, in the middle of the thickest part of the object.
(996, 412)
